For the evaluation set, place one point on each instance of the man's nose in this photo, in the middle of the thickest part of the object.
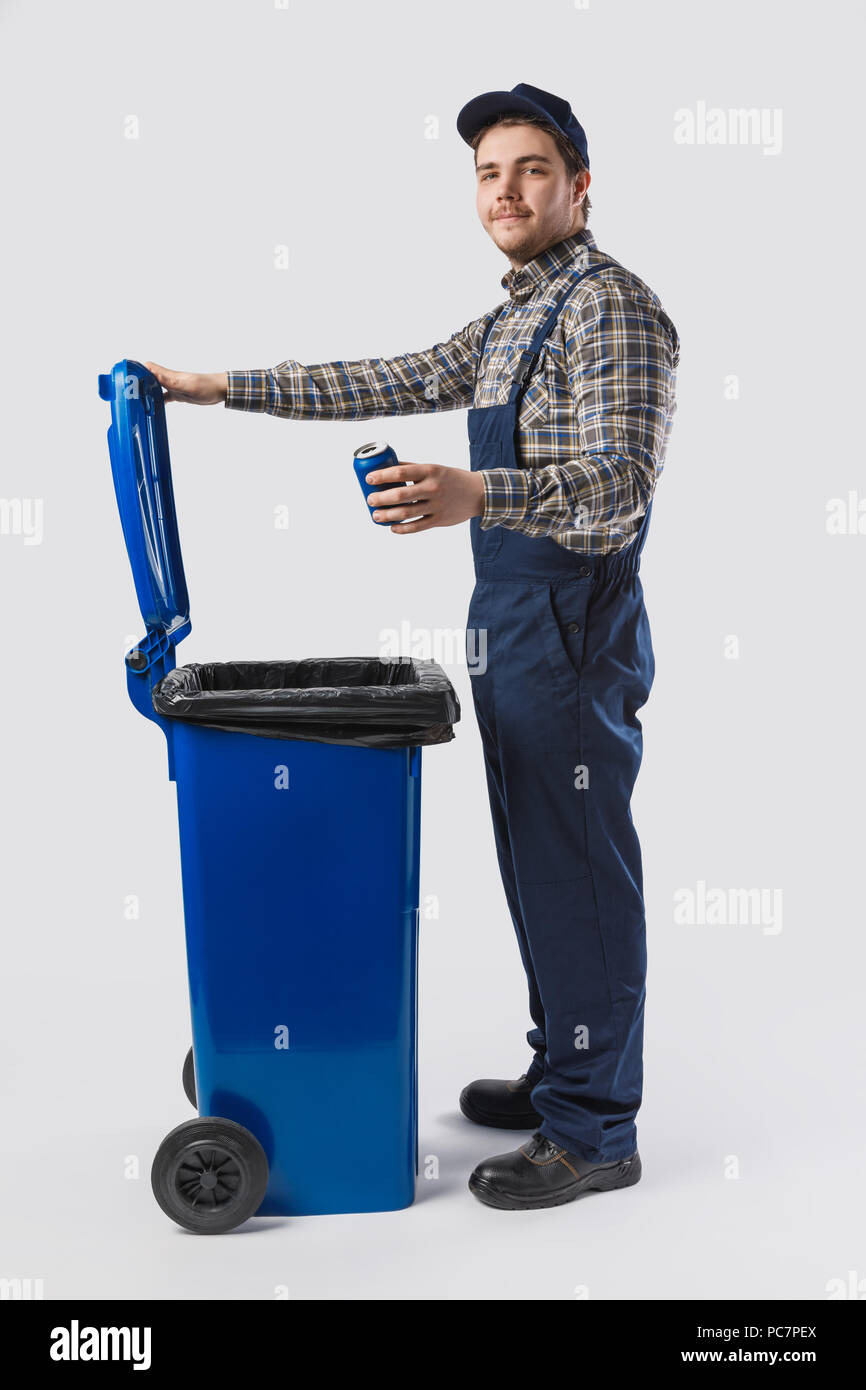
(505, 189)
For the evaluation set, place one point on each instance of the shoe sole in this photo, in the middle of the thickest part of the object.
(603, 1181)
(527, 1120)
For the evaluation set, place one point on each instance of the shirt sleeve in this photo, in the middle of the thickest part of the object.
(622, 352)
(439, 378)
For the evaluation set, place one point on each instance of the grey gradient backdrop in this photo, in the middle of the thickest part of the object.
(306, 127)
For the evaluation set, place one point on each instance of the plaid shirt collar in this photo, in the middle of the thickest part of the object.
(546, 266)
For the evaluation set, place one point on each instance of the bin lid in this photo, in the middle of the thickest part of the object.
(141, 468)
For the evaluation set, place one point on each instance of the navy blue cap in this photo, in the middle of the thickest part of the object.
(481, 110)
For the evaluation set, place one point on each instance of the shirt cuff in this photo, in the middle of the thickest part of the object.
(506, 496)
(247, 391)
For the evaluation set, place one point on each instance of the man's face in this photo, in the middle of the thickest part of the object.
(524, 196)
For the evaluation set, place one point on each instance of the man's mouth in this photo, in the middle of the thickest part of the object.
(510, 216)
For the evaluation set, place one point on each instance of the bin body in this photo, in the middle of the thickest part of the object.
(300, 869)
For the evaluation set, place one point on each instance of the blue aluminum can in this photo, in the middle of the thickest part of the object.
(369, 457)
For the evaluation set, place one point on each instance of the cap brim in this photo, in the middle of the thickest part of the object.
(477, 112)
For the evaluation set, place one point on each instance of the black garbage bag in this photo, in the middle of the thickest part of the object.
(362, 701)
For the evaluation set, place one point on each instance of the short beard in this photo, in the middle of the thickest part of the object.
(524, 250)
(520, 250)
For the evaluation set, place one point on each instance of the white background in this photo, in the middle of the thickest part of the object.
(307, 127)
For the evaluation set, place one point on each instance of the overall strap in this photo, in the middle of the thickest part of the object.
(530, 354)
(528, 357)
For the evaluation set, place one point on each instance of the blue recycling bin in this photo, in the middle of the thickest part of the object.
(299, 810)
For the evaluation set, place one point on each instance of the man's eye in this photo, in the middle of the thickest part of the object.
(533, 169)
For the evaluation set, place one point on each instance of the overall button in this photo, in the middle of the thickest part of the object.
(584, 571)
(573, 627)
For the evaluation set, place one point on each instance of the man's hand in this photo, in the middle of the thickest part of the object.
(199, 388)
(438, 496)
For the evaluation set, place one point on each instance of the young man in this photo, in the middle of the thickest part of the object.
(571, 386)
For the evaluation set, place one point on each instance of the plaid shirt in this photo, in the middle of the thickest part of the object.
(594, 418)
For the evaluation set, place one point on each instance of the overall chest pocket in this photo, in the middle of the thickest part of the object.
(535, 402)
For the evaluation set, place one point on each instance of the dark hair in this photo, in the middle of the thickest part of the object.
(574, 165)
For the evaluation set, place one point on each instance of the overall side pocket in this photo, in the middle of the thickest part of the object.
(567, 606)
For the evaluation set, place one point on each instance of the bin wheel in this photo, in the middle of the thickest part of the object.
(188, 1077)
(209, 1175)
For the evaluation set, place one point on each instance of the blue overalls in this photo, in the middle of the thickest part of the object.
(569, 661)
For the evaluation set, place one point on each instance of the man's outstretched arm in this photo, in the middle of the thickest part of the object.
(438, 378)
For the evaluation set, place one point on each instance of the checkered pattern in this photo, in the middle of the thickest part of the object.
(595, 415)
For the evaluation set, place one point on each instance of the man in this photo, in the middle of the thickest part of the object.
(571, 386)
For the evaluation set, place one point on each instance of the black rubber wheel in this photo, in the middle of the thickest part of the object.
(188, 1077)
(209, 1175)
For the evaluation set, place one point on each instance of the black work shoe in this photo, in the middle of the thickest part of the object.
(540, 1174)
(501, 1104)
